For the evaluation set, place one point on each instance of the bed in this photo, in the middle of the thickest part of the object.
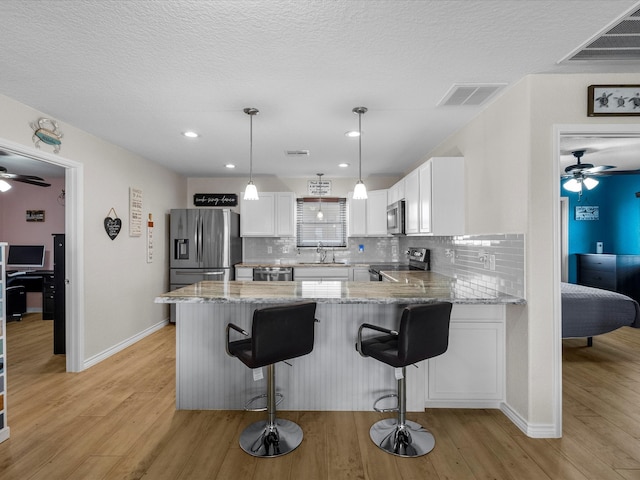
(588, 311)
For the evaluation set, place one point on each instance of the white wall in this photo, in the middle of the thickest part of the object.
(119, 285)
(512, 184)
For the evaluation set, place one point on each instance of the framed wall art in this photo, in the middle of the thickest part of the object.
(587, 213)
(613, 100)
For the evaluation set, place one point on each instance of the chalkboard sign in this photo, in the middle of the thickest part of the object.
(215, 199)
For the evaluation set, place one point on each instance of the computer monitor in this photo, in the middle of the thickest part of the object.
(26, 256)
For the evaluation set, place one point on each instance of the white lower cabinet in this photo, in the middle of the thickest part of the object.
(359, 274)
(244, 274)
(471, 373)
(321, 273)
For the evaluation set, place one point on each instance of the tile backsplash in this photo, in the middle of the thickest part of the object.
(495, 260)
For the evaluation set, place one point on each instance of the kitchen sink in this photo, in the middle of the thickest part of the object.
(322, 263)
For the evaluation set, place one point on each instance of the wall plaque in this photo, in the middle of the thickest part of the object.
(215, 199)
(587, 213)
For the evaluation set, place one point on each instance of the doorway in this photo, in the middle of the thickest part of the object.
(74, 277)
(588, 133)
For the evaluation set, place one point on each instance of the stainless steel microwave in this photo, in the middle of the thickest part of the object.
(395, 218)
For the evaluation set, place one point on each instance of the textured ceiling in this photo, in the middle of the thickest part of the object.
(138, 73)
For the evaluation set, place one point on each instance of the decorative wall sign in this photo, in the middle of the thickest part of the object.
(587, 213)
(215, 199)
(150, 239)
(46, 130)
(613, 100)
(112, 225)
(320, 188)
(35, 215)
(135, 212)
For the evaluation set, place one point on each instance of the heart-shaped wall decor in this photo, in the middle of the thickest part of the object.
(112, 226)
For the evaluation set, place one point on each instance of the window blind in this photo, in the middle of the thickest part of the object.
(331, 230)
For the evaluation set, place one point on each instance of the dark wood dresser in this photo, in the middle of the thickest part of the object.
(618, 273)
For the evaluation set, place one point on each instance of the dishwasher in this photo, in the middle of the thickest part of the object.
(273, 274)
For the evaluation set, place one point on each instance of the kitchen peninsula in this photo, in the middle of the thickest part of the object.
(334, 376)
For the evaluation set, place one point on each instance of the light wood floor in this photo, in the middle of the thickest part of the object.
(117, 421)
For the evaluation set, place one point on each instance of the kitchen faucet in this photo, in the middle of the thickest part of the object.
(322, 251)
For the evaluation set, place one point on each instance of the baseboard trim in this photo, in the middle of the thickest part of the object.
(94, 360)
(542, 430)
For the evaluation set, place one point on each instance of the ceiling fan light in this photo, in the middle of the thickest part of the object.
(573, 185)
(360, 191)
(251, 192)
(4, 186)
(590, 183)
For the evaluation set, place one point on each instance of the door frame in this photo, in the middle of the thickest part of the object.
(74, 233)
(559, 131)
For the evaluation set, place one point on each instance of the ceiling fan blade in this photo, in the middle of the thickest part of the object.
(30, 179)
(617, 172)
(599, 168)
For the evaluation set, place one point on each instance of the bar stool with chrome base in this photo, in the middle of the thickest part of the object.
(423, 334)
(278, 333)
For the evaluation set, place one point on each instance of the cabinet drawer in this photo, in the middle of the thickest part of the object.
(598, 262)
(597, 278)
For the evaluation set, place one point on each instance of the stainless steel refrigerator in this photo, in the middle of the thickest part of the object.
(205, 245)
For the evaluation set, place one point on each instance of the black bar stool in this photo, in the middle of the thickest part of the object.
(423, 334)
(278, 333)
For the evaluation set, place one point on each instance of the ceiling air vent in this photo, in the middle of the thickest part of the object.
(296, 153)
(470, 94)
(619, 42)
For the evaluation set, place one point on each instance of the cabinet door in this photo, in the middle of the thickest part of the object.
(257, 217)
(447, 196)
(412, 202)
(377, 213)
(285, 214)
(424, 175)
(357, 217)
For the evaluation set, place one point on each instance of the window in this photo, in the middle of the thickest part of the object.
(330, 230)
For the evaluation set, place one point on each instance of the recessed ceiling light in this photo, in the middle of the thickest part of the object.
(352, 133)
(343, 165)
(230, 165)
(190, 134)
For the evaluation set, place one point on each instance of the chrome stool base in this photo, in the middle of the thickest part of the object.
(262, 439)
(408, 440)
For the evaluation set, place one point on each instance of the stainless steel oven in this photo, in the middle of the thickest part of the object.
(395, 218)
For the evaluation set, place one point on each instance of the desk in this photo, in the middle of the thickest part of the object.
(36, 281)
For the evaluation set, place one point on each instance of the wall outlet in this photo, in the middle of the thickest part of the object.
(269, 249)
(394, 250)
(360, 248)
(285, 249)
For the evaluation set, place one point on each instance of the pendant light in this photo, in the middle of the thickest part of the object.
(360, 191)
(320, 215)
(251, 192)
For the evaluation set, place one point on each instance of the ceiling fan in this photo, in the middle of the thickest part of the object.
(30, 179)
(581, 174)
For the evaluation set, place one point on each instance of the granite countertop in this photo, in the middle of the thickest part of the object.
(431, 288)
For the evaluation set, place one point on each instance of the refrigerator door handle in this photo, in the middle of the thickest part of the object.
(213, 273)
(199, 239)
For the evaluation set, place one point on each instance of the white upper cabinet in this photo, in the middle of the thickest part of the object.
(396, 192)
(368, 218)
(442, 196)
(272, 215)
(412, 203)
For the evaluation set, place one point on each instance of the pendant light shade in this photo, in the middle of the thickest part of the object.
(575, 184)
(360, 191)
(4, 186)
(251, 192)
(320, 214)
